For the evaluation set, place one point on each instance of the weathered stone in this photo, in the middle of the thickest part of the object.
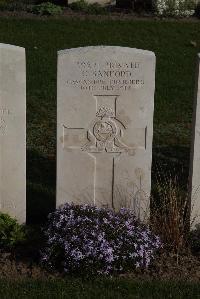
(13, 131)
(195, 155)
(105, 126)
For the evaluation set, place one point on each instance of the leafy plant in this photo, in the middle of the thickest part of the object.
(87, 239)
(15, 5)
(80, 5)
(93, 8)
(96, 9)
(180, 8)
(11, 233)
(47, 8)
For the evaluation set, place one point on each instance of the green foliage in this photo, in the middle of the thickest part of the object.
(175, 8)
(47, 8)
(56, 2)
(94, 8)
(80, 5)
(11, 233)
(15, 5)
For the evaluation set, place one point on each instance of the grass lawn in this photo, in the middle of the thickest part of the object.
(175, 77)
(98, 289)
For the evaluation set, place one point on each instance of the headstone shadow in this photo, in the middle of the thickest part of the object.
(170, 171)
(41, 186)
(173, 162)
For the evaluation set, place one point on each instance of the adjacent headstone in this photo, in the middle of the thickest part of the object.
(13, 131)
(195, 155)
(105, 126)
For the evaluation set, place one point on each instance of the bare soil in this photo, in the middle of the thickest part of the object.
(166, 267)
(172, 267)
(15, 268)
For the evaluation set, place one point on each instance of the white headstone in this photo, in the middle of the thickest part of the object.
(195, 155)
(13, 131)
(105, 126)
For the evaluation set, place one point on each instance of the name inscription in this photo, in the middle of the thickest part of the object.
(108, 76)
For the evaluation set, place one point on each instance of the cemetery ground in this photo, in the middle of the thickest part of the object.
(99, 288)
(175, 45)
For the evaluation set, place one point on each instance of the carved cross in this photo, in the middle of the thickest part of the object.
(102, 140)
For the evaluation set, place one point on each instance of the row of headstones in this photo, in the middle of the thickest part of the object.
(105, 104)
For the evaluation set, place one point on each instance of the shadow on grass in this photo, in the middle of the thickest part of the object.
(171, 162)
(41, 186)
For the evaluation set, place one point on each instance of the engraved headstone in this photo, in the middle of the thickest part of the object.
(195, 155)
(13, 131)
(105, 126)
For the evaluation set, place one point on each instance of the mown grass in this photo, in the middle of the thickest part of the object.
(174, 45)
(98, 289)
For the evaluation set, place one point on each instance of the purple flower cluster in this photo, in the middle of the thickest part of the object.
(88, 239)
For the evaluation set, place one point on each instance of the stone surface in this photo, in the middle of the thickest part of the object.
(13, 131)
(105, 126)
(195, 155)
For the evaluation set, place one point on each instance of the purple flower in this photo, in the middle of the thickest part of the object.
(96, 240)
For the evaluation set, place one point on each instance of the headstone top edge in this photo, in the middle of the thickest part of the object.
(11, 47)
(124, 49)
